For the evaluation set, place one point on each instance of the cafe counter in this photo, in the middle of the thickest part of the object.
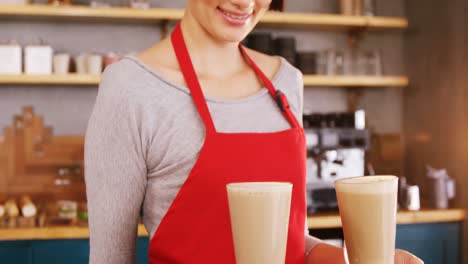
(434, 235)
(315, 221)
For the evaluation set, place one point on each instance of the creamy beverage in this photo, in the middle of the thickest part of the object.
(260, 219)
(368, 208)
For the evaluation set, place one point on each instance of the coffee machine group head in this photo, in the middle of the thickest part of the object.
(336, 145)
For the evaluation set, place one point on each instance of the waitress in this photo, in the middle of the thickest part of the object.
(174, 124)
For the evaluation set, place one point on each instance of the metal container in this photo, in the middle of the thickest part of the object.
(412, 195)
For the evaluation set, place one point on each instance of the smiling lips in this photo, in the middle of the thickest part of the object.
(235, 18)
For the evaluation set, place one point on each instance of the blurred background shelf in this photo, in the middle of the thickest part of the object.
(309, 80)
(86, 13)
(66, 79)
(152, 15)
(355, 81)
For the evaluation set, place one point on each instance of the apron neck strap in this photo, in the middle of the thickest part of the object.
(191, 78)
(193, 84)
(277, 95)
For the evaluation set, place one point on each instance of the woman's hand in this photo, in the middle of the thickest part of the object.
(324, 253)
(327, 254)
(404, 257)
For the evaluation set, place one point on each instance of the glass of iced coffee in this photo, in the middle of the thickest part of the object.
(368, 207)
(259, 219)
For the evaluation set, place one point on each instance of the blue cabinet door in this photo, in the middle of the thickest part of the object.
(72, 251)
(433, 243)
(61, 251)
(16, 252)
(142, 250)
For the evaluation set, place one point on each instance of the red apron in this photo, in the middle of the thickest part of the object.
(196, 228)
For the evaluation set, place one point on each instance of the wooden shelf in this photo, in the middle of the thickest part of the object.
(309, 80)
(331, 21)
(355, 81)
(152, 15)
(67, 79)
(87, 13)
(53, 232)
(318, 221)
(322, 221)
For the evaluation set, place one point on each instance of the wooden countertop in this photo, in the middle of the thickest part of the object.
(322, 221)
(318, 221)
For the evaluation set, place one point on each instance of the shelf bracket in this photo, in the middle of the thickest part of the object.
(353, 98)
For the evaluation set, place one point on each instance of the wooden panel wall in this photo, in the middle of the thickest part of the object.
(436, 102)
(31, 158)
(3, 180)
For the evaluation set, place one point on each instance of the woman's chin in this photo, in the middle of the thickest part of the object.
(230, 35)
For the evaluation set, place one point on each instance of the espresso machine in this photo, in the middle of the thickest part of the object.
(336, 145)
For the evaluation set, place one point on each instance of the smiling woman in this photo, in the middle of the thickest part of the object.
(172, 126)
(229, 21)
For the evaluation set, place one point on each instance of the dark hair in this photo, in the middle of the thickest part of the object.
(277, 5)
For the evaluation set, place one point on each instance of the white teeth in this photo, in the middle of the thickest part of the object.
(234, 16)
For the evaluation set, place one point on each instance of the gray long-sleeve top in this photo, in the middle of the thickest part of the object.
(143, 138)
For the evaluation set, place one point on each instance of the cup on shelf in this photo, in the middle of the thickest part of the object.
(322, 67)
(59, 2)
(360, 65)
(335, 62)
(355, 7)
(81, 62)
(98, 3)
(61, 63)
(347, 7)
(374, 63)
(365, 62)
(369, 7)
(94, 64)
(141, 4)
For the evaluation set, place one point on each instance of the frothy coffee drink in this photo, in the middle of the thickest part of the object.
(368, 213)
(260, 220)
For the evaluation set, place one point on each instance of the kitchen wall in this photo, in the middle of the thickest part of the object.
(436, 103)
(67, 108)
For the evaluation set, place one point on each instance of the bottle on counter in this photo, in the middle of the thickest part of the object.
(413, 201)
(11, 213)
(2, 212)
(11, 208)
(27, 207)
(82, 214)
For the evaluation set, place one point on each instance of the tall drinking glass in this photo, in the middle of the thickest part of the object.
(260, 219)
(368, 207)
